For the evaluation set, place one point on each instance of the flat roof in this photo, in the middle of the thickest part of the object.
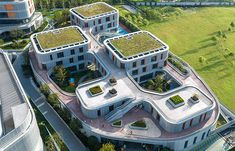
(135, 43)
(93, 9)
(10, 94)
(59, 37)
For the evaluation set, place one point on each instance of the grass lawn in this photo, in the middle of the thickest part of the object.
(189, 36)
(135, 44)
(59, 38)
(93, 10)
(140, 123)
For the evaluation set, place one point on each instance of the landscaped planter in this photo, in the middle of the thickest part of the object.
(194, 99)
(112, 81)
(113, 92)
(139, 125)
(96, 90)
(176, 101)
(117, 123)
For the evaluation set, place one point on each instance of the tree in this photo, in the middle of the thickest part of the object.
(53, 99)
(64, 114)
(60, 74)
(44, 88)
(202, 59)
(232, 24)
(107, 147)
(75, 126)
(93, 143)
(14, 34)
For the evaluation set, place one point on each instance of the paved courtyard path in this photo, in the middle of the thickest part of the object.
(68, 137)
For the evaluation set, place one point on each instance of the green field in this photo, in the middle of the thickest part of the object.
(190, 37)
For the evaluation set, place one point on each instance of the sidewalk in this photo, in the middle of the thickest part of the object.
(68, 137)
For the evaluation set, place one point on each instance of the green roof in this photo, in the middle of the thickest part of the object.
(93, 9)
(176, 99)
(135, 44)
(59, 37)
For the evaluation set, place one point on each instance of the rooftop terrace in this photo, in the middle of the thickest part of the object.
(59, 37)
(93, 9)
(135, 43)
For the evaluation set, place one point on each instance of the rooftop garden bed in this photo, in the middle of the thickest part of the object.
(140, 124)
(112, 81)
(59, 37)
(176, 63)
(113, 92)
(133, 44)
(96, 90)
(194, 98)
(176, 101)
(117, 123)
(93, 9)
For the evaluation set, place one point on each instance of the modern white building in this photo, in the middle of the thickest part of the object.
(19, 14)
(64, 46)
(97, 17)
(179, 118)
(18, 127)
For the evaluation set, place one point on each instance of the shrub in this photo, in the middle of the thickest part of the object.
(93, 143)
(64, 114)
(176, 99)
(95, 90)
(140, 123)
(53, 99)
(107, 147)
(44, 88)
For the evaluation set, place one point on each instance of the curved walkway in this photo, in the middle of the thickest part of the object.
(68, 137)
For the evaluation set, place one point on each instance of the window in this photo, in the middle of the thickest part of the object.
(161, 56)
(205, 116)
(186, 144)
(107, 19)
(134, 64)
(98, 112)
(158, 117)
(155, 66)
(80, 58)
(101, 27)
(71, 60)
(60, 55)
(51, 57)
(109, 25)
(191, 122)
(72, 52)
(203, 135)
(113, 17)
(44, 66)
(95, 29)
(111, 108)
(200, 119)
(134, 72)
(144, 69)
(142, 62)
(208, 133)
(122, 65)
(99, 21)
(154, 58)
(81, 66)
(58, 63)
(94, 22)
(195, 140)
(183, 126)
(86, 24)
(81, 50)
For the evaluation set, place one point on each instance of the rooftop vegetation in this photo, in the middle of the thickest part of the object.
(117, 123)
(135, 44)
(93, 10)
(176, 99)
(140, 124)
(95, 90)
(59, 37)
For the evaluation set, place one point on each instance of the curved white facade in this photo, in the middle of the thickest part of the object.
(20, 129)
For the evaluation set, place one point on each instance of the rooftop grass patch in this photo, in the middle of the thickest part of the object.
(176, 99)
(59, 37)
(135, 44)
(93, 9)
(96, 90)
(139, 124)
(117, 123)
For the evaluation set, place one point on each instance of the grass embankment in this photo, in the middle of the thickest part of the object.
(190, 37)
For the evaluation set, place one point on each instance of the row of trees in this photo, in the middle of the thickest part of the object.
(53, 4)
(75, 125)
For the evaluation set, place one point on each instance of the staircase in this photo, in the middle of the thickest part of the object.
(122, 110)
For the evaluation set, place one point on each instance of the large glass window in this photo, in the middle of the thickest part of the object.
(60, 55)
